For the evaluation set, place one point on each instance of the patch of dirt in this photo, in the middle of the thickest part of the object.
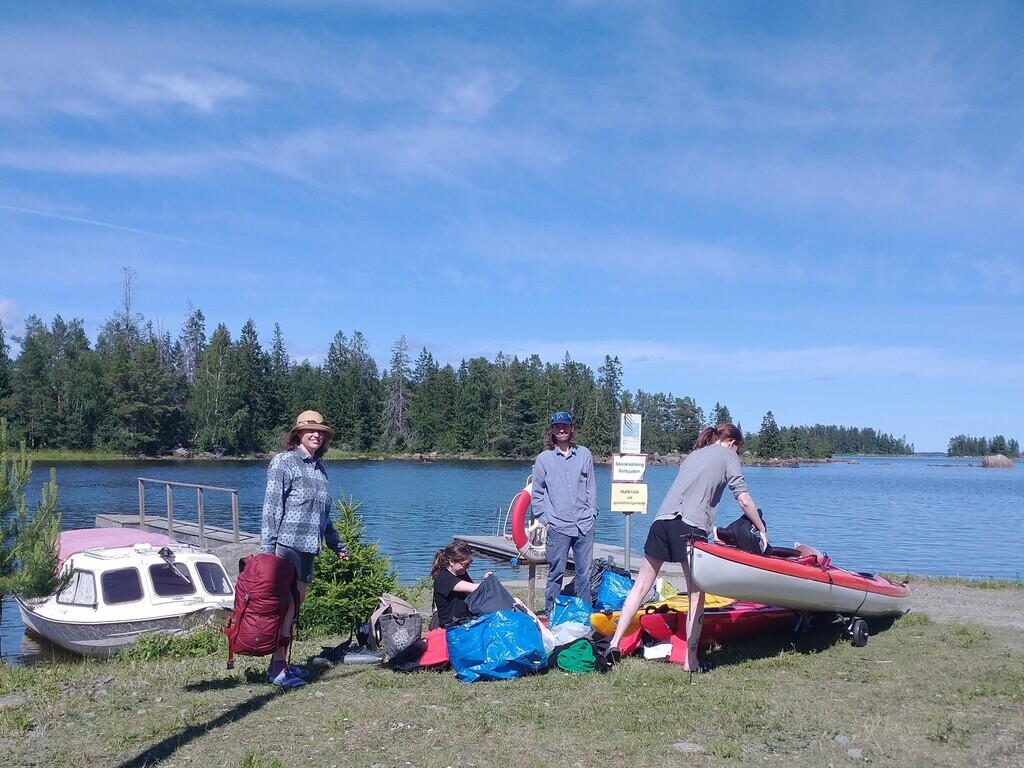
(999, 611)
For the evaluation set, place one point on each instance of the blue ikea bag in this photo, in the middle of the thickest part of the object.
(613, 591)
(569, 608)
(496, 646)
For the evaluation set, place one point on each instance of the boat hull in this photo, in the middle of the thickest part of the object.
(104, 639)
(723, 570)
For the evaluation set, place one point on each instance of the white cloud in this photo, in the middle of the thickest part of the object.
(202, 92)
(766, 364)
(10, 315)
(469, 98)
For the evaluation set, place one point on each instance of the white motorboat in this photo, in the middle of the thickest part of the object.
(125, 583)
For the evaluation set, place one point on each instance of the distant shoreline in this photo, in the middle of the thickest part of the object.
(654, 459)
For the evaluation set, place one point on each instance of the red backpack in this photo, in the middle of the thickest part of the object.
(264, 585)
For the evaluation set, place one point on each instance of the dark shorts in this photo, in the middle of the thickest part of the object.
(666, 540)
(303, 561)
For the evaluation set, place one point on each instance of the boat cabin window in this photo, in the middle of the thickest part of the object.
(171, 580)
(81, 590)
(121, 586)
(215, 581)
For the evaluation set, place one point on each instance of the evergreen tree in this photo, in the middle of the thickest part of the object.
(687, 422)
(33, 400)
(250, 426)
(720, 415)
(5, 374)
(364, 384)
(424, 417)
(279, 418)
(998, 445)
(192, 342)
(769, 444)
(1013, 449)
(214, 397)
(306, 387)
(474, 405)
(395, 431)
(606, 406)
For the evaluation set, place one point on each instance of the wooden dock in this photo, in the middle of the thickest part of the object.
(501, 548)
(185, 532)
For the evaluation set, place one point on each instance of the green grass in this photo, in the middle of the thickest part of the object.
(53, 454)
(920, 693)
(958, 581)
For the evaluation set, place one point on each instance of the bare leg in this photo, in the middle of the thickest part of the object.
(649, 569)
(694, 620)
(289, 620)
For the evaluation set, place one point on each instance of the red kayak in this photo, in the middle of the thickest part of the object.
(804, 582)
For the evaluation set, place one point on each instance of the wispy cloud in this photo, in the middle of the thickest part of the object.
(768, 364)
(10, 315)
(202, 92)
(471, 97)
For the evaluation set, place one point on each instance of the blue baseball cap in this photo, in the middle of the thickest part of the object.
(561, 417)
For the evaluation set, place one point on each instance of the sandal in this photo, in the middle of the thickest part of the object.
(613, 656)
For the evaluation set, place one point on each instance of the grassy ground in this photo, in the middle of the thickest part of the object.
(920, 694)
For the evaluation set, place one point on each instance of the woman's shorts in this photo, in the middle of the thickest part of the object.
(303, 561)
(666, 540)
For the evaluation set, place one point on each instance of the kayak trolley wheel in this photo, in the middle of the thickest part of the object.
(858, 630)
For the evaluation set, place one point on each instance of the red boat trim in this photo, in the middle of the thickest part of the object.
(831, 575)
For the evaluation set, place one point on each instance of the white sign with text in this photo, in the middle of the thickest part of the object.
(628, 469)
(629, 433)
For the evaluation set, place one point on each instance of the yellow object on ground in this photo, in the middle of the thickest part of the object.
(604, 623)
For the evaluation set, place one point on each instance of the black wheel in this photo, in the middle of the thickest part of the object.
(859, 633)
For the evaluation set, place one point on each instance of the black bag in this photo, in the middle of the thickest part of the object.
(408, 660)
(597, 569)
(490, 596)
(742, 534)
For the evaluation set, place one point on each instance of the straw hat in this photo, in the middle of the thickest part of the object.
(311, 420)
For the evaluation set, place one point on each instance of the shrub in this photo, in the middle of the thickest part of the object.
(344, 592)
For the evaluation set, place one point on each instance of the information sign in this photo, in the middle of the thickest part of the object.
(629, 433)
(629, 497)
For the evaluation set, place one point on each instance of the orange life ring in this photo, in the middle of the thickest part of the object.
(528, 536)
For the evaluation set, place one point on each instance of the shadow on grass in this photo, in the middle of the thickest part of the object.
(168, 746)
(822, 634)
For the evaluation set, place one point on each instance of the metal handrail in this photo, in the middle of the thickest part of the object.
(200, 504)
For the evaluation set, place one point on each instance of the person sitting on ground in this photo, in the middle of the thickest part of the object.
(688, 512)
(452, 583)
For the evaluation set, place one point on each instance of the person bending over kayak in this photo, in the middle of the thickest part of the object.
(687, 512)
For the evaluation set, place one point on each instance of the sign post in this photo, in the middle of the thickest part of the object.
(629, 492)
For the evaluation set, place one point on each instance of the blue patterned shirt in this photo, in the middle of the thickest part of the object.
(297, 506)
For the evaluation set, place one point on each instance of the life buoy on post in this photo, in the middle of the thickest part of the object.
(528, 536)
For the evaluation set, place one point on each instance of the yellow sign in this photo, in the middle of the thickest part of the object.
(629, 497)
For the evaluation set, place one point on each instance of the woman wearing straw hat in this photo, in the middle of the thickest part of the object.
(296, 518)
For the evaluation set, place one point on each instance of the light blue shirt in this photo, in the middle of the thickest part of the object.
(565, 490)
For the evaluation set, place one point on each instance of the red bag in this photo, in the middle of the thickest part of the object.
(265, 584)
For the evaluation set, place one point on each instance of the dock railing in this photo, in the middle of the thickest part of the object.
(201, 490)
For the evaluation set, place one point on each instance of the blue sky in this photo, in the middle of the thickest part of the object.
(812, 208)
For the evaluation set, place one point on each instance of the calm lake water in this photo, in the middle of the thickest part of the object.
(925, 515)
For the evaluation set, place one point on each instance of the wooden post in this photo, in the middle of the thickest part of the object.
(531, 586)
(142, 504)
(170, 511)
(234, 513)
(201, 509)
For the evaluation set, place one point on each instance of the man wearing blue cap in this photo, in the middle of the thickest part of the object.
(565, 501)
